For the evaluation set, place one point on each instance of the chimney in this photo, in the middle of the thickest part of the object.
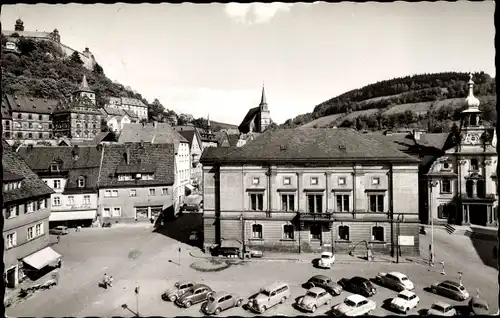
(417, 134)
(75, 153)
(126, 156)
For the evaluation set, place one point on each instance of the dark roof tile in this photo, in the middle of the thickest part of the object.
(26, 104)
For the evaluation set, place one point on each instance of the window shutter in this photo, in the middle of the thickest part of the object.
(25, 208)
(440, 212)
(17, 210)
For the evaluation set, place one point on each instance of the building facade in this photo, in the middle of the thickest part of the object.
(136, 182)
(311, 190)
(129, 104)
(78, 118)
(26, 210)
(194, 140)
(71, 172)
(116, 118)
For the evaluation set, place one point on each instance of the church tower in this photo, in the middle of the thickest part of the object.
(265, 116)
(19, 25)
(471, 125)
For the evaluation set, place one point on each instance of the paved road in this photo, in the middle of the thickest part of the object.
(137, 257)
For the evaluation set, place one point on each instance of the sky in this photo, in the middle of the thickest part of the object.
(212, 59)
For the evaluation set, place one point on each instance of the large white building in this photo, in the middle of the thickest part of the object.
(129, 104)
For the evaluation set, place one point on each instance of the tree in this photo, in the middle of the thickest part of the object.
(98, 69)
(75, 57)
(155, 109)
(26, 46)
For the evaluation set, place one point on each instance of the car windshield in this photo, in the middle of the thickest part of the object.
(325, 256)
(480, 306)
(437, 307)
(404, 278)
(211, 299)
(311, 294)
(264, 292)
(404, 297)
(349, 302)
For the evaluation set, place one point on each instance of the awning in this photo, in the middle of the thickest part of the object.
(231, 243)
(42, 258)
(72, 215)
(189, 187)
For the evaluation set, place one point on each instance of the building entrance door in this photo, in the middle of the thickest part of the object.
(478, 214)
(10, 279)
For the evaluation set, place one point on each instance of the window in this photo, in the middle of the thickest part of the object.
(71, 200)
(287, 181)
(446, 165)
(342, 203)
(474, 165)
(288, 202)
(315, 203)
(40, 135)
(30, 135)
(56, 201)
(86, 199)
(20, 116)
(257, 201)
(106, 212)
(39, 229)
(124, 177)
(30, 233)
(107, 193)
(341, 181)
(30, 116)
(42, 204)
(133, 192)
(469, 188)
(29, 207)
(40, 117)
(314, 181)
(445, 186)
(378, 233)
(30, 125)
(164, 191)
(375, 181)
(81, 182)
(57, 184)
(255, 181)
(152, 192)
(442, 211)
(481, 188)
(376, 202)
(288, 232)
(11, 240)
(12, 211)
(117, 211)
(114, 193)
(315, 231)
(257, 231)
(344, 233)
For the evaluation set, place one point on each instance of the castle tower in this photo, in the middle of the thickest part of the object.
(265, 116)
(19, 25)
(56, 36)
(209, 126)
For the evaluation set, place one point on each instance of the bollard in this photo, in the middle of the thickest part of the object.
(442, 271)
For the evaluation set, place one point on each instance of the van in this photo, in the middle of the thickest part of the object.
(269, 296)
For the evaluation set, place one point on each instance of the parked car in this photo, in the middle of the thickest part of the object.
(193, 203)
(450, 289)
(354, 305)
(221, 301)
(269, 296)
(405, 301)
(327, 260)
(225, 251)
(196, 294)
(59, 230)
(395, 280)
(478, 306)
(326, 283)
(358, 285)
(179, 289)
(314, 298)
(441, 309)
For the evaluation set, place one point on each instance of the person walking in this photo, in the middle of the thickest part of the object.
(58, 239)
(105, 280)
(110, 281)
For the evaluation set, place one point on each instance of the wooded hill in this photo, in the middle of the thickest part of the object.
(430, 101)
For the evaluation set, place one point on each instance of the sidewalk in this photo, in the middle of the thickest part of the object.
(309, 257)
(144, 225)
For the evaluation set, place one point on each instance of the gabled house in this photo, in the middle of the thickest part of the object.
(194, 140)
(136, 182)
(72, 173)
(116, 118)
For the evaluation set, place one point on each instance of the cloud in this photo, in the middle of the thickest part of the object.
(255, 13)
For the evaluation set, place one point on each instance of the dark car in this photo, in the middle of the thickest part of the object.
(219, 302)
(225, 251)
(450, 289)
(358, 285)
(179, 289)
(326, 283)
(197, 294)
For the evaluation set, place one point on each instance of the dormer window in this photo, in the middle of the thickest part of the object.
(81, 182)
(54, 167)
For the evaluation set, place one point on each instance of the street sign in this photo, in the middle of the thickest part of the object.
(406, 240)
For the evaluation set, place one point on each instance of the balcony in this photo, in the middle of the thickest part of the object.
(487, 197)
(308, 216)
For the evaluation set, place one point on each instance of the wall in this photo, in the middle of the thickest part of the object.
(21, 129)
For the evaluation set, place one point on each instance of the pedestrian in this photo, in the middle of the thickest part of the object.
(110, 281)
(105, 280)
(58, 239)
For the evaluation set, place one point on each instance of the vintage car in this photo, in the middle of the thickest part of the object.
(326, 283)
(59, 230)
(394, 280)
(441, 309)
(327, 260)
(354, 305)
(450, 289)
(478, 306)
(314, 298)
(197, 294)
(179, 289)
(221, 301)
(358, 285)
(269, 296)
(405, 301)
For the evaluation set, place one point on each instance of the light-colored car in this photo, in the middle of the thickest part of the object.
(395, 280)
(405, 301)
(314, 298)
(450, 289)
(196, 294)
(221, 301)
(193, 236)
(177, 291)
(441, 309)
(59, 230)
(354, 305)
(478, 306)
(327, 260)
(326, 283)
(269, 296)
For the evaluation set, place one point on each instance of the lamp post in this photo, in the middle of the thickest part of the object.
(137, 300)
(432, 184)
(399, 219)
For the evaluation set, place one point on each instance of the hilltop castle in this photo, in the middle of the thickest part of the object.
(54, 37)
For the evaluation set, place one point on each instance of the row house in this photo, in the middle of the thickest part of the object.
(195, 143)
(26, 210)
(116, 118)
(72, 173)
(130, 105)
(136, 181)
(162, 133)
(309, 190)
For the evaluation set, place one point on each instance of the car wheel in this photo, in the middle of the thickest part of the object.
(188, 304)
(400, 288)
(239, 302)
(262, 308)
(283, 300)
(217, 311)
(458, 298)
(434, 291)
(313, 309)
(407, 310)
(172, 298)
(208, 295)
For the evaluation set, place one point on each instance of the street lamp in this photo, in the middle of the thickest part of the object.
(432, 184)
(137, 300)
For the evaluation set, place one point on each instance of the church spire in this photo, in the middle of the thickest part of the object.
(263, 101)
(84, 85)
(208, 120)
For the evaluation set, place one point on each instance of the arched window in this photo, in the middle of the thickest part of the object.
(257, 231)
(481, 188)
(473, 120)
(344, 233)
(378, 233)
(469, 188)
(474, 165)
(288, 232)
